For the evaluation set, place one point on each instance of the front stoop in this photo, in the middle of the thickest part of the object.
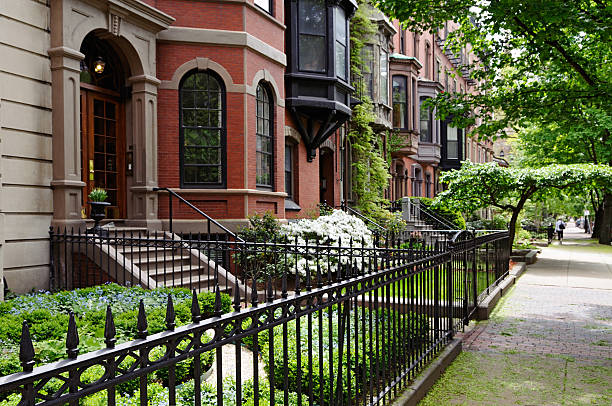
(426, 379)
(488, 304)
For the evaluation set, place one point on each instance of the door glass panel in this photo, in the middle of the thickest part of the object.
(98, 126)
(98, 108)
(110, 110)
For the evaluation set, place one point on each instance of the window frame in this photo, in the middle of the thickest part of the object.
(337, 10)
(223, 134)
(324, 35)
(270, 7)
(403, 102)
(429, 121)
(385, 53)
(290, 146)
(265, 88)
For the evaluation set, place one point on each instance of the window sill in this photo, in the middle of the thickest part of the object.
(290, 205)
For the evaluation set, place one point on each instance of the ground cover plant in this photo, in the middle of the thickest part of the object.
(47, 316)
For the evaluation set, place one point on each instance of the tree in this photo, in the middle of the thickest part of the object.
(540, 63)
(477, 186)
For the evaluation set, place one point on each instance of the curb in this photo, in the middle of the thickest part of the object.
(427, 378)
(488, 304)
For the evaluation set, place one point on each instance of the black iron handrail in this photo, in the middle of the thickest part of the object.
(345, 207)
(435, 217)
(172, 193)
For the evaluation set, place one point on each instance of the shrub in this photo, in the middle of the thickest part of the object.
(330, 230)
(416, 335)
(441, 210)
(260, 263)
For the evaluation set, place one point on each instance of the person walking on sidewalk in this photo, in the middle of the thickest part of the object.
(559, 227)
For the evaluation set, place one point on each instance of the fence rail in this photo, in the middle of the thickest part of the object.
(333, 325)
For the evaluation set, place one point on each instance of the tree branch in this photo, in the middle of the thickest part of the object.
(555, 44)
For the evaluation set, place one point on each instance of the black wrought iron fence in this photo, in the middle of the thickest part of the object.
(311, 324)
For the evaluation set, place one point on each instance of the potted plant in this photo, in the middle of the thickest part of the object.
(98, 205)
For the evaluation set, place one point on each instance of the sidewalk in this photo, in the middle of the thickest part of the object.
(549, 341)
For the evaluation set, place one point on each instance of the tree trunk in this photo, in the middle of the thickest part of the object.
(512, 225)
(597, 222)
(605, 232)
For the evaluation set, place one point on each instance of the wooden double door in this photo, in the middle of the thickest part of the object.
(103, 148)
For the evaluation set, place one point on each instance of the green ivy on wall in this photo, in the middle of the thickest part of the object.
(370, 166)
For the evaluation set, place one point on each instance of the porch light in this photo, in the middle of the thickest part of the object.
(99, 65)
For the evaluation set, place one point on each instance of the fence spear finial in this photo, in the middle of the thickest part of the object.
(72, 338)
(195, 308)
(142, 325)
(109, 329)
(237, 295)
(218, 311)
(170, 315)
(26, 348)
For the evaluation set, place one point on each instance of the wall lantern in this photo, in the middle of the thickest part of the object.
(99, 65)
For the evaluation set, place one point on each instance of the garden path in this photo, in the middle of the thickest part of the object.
(549, 341)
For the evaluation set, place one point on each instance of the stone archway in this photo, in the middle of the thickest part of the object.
(131, 28)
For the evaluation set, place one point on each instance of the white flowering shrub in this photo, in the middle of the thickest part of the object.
(337, 229)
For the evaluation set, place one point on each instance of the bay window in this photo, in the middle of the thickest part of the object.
(312, 28)
(426, 121)
(341, 47)
(400, 113)
(384, 76)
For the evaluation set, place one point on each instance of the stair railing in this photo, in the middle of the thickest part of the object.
(172, 194)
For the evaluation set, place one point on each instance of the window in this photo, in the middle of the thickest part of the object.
(425, 115)
(400, 114)
(289, 170)
(427, 185)
(437, 70)
(414, 104)
(367, 55)
(415, 45)
(341, 42)
(312, 25)
(452, 142)
(402, 45)
(202, 130)
(265, 140)
(384, 77)
(265, 5)
(427, 59)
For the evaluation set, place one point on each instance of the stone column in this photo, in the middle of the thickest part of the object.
(67, 182)
(143, 207)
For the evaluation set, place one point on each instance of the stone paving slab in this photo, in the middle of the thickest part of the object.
(548, 342)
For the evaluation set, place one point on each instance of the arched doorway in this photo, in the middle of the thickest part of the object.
(103, 96)
(326, 176)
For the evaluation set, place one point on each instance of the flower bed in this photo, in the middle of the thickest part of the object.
(47, 316)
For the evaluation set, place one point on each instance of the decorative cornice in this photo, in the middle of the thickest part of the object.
(142, 11)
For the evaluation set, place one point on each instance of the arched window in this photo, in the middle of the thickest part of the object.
(202, 130)
(265, 138)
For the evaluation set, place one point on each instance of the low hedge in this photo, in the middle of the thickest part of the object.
(417, 334)
(441, 210)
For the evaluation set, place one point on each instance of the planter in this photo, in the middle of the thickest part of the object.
(97, 214)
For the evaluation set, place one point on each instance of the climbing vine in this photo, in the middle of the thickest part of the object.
(370, 166)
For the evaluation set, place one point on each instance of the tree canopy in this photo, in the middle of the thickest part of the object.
(544, 61)
(477, 186)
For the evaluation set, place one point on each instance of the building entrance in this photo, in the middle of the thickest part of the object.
(103, 148)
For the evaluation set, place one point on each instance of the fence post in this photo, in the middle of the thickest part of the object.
(449, 292)
(170, 211)
(474, 271)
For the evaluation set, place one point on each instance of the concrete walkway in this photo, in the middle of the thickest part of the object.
(549, 341)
